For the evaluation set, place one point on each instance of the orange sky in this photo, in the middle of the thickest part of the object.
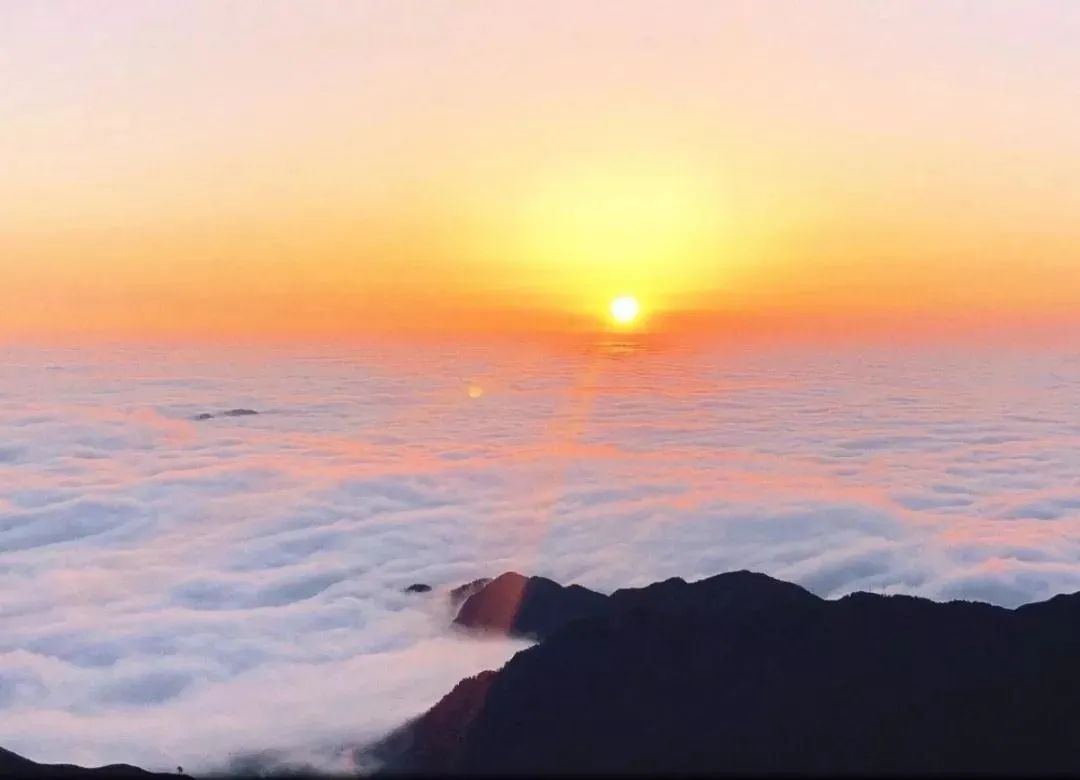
(327, 169)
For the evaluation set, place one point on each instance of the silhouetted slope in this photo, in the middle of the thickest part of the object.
(527, 606)
(741, 673)
(15, 766)
(436, 739)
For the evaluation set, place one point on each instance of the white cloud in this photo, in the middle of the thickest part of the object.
(176, 591)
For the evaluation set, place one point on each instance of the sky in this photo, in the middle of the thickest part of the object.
(325, 170)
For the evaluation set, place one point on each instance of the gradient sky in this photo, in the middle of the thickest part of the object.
(331, 168)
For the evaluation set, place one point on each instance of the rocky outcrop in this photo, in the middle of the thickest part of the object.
(462, 592)
(530, 607)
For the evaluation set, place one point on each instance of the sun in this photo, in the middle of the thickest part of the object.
(625, 309)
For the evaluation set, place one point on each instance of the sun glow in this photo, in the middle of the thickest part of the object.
(590, 230)
(625, 309)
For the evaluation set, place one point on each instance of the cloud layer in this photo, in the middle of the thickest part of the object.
(177, 591)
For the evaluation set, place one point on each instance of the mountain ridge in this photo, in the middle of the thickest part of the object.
(743, 673)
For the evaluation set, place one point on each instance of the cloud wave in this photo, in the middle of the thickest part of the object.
(177, 591)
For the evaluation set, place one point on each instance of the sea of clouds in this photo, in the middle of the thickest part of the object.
(177, 591)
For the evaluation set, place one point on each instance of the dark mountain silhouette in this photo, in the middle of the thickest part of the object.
(227, 413)
(527, 606)
(15, 766)
(741, 673)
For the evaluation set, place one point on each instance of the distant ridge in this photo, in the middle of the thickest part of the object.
(15, 766)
